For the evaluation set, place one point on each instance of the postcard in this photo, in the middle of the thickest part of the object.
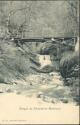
(39, 62)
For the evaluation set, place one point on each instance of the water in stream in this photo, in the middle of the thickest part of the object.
(47, 86)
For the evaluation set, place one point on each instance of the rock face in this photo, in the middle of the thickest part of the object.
(15, 61)
(69, 65)
(45, 69)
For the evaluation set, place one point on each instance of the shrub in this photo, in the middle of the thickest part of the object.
(67, 62)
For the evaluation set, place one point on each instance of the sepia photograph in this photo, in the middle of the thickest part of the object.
(39, 62)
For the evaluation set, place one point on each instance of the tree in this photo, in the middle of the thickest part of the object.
(74, 14)
(41, 18)
(17, 29)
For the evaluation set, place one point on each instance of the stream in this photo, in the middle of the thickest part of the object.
(47, 86)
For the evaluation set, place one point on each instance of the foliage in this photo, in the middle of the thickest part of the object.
(39, 18)
(14, 61)
(67, 63)
(69, 69)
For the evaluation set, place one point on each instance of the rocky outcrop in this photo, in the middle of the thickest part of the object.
(45, 69)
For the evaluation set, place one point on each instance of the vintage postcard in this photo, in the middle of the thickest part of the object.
(39, 62)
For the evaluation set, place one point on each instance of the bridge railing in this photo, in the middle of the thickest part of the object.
(47, 39)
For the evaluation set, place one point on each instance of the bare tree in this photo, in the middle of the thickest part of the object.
(74, 13)
(19, 30)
